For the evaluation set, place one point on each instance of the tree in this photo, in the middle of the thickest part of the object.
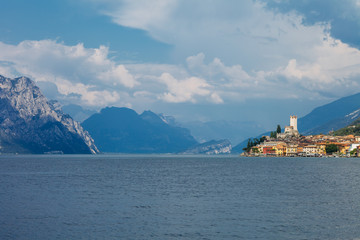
(278, 129)
(354, 152)
(254, 142)
(273, 134)
(249, 145)
(255, 150)
(331, 148)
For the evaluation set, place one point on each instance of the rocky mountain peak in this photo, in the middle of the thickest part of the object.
(37, 124)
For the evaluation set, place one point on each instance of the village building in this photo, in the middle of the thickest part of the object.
(280, 149)
(291, 150)
(310, 150)
(290, 143)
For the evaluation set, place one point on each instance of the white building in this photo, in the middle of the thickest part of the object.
(290, 131)
(293, 122)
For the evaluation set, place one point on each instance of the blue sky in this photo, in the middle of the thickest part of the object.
(196, 60)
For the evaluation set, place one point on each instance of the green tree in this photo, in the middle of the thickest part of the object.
(253, 142)
(248, 146)
(353, 152)
(331, 148)
(278, 129)
(273, 134)
(255, 150)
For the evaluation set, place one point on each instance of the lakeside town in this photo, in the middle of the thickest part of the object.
(291, 144)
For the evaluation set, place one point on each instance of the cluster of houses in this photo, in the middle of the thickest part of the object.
(291, 144)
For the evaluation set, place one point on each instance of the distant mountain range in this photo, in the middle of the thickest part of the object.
(29, 123)
(77, 112)
(235, 131)
(202, 131)
(122, 130)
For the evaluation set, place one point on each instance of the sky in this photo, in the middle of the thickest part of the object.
(249, 60)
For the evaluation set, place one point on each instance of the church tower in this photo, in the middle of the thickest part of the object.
(293, 122)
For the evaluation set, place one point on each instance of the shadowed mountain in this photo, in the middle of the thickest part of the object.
(122, 130)
(331, 116)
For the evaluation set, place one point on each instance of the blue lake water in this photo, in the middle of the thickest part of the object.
(178, 197)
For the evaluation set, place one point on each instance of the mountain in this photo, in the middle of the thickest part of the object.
(353, 129)
(211, 147)
(77, 112)
(235, 131)
(122, 130)
(29, 123)
(331, 116)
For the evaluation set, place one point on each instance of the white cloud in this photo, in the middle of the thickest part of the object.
(87, 72)
(332, 68)
(141, 14)
(187, 89)
(118, 74)
(89, 77)
(238, 32)
(267, 54)
(335, 68)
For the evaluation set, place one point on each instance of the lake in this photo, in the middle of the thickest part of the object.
(178, 197)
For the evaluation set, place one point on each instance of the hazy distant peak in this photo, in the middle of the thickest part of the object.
(152, 117)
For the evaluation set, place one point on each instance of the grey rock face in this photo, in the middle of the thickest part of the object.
(29, 123)
(211, 147)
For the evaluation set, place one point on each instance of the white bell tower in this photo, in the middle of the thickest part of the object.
(293, 122)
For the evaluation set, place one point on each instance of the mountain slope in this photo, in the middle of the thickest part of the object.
(123, 130)
(77, 112)
(29, 123)
(353, 129)
(332, 116)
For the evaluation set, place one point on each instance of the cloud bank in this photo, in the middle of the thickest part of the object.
(238, 32)
(89, 77)
(342, 15)
(228, 52)
(75, 70)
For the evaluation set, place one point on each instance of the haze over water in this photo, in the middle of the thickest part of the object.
(178, 197)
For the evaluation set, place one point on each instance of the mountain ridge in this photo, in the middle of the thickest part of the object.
(331, 116)
(122, 130)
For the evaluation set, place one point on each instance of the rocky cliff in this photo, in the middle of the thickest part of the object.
(212, 147)
(29, 123)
